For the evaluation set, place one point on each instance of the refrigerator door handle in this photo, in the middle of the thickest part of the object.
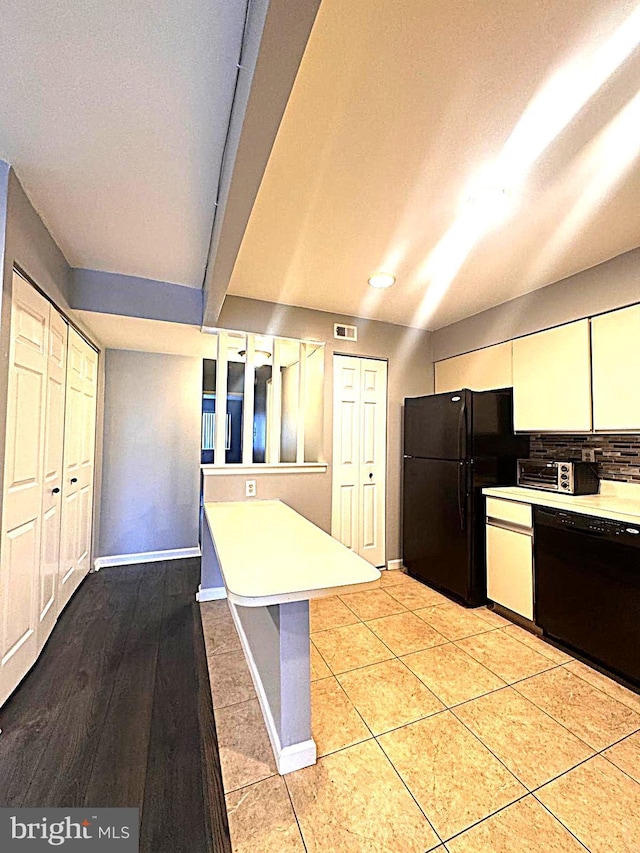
(462, 491)
(462, 426)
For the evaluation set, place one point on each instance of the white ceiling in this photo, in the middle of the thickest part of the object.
(114, 331)
(397, 107)
(114, 116)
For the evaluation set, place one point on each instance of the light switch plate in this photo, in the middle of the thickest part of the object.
(250, 488)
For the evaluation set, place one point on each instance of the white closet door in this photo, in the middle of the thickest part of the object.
(373, 444)
(359, 455)
(345, 504)
(23, 483)
(87, 457)
(52, 493)
(78, 465)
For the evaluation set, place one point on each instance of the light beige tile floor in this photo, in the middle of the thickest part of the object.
(452, 674)
(509, 659)
(336, 723)
(493, 742)
(405, 632)
(230, 679)
(388, 695)
(350, 647)
(325, 613)
(586, 711)
(533, 746)
(261, 817)
(319, 669)
(373, 604)
(626, 755)
(599, 804)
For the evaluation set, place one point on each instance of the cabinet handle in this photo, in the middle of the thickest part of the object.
(55, 491)
(74, 479)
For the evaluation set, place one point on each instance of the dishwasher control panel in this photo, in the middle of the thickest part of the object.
(603, 527)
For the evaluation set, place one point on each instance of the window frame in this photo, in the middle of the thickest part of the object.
(272, 463)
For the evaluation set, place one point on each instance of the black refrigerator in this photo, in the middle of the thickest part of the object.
(455, 445)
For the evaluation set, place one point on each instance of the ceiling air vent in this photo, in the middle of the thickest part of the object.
(345, 333)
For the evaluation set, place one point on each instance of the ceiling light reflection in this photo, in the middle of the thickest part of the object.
(547, 115)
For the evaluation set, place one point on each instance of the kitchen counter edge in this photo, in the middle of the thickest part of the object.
(601, 506)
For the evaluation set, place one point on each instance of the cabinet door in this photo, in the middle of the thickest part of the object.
(23, 484)
(482, 370)
(615, 341)
(510, 570)
(552, 380)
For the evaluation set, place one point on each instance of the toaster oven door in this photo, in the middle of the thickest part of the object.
(538, 474)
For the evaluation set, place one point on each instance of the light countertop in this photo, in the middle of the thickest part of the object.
(617, 501)
(269, 554)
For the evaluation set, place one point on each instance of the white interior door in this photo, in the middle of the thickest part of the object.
(23, 483)
(52, 492)
(87, 458)
(78, 465)
(359, 455)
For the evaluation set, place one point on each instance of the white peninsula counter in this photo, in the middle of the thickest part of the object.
(268, 561)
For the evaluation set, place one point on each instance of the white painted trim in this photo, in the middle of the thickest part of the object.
(220, 423)
(145, 557)
(264, 468)
(288, 758)
(213, 593)
(394, 564)
(248, 406)
(297, 756)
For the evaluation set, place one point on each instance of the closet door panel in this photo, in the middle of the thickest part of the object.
(23, 484)
(52, 495)
(78, 466)
(89, 385)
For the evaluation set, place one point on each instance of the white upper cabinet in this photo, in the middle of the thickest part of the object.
(482, 370)
(552, 380)
(615, 346)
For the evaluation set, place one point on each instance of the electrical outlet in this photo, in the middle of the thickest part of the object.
(588, 454)
(250, 488)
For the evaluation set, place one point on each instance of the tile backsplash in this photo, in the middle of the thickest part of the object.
(617, 456)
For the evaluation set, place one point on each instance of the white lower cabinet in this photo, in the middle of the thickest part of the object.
(510, 557)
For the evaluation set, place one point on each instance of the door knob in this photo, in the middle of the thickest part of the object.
(55, 491)
(371, 476)
(74, 479)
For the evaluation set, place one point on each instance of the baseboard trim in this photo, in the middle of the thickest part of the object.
(394, 564)
(145, 557)
(288, 758)
(297, 756)
(212, 593)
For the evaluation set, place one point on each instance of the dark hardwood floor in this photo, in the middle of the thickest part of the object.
(117, 711)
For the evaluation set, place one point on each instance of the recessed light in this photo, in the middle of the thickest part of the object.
(382, 279)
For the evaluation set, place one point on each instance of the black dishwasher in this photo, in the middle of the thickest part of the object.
(587, 587)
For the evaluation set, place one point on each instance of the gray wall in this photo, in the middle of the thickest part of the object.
(610, 285)
(410, 374)
(26, 243)
(151, 462)
(4, 186)
(111, 293)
